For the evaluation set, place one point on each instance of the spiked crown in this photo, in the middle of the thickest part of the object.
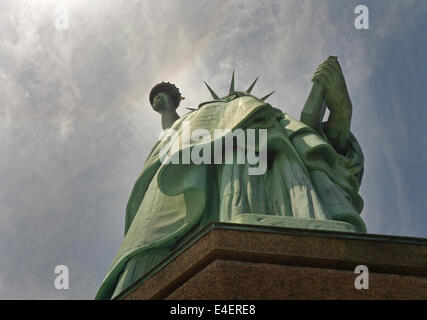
(233, 92)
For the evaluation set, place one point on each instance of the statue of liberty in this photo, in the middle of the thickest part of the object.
(311, 180)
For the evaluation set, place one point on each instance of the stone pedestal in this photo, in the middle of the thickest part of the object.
(232, 261)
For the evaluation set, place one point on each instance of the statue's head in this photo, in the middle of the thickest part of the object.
(164, 97)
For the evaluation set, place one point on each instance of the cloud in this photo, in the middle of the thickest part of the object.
(76, 125)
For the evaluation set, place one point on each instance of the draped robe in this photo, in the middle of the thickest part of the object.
(307, 184)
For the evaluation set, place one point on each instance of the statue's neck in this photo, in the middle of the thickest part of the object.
(169, 118)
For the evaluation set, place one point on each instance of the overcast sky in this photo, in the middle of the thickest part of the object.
(76, 125)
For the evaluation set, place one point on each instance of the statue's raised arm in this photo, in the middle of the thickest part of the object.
(330, 75)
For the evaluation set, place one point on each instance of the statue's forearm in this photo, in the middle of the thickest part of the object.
(338, 129)
(329, 74)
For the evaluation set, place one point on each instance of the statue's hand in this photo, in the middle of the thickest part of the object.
(330, 76)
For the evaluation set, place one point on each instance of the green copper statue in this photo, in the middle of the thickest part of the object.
(310, 180)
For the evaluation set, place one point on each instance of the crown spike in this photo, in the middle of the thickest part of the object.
(264, 98)
(232, 84)
(252, 85)
(214, 95)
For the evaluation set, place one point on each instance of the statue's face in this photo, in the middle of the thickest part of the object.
(163, 102)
